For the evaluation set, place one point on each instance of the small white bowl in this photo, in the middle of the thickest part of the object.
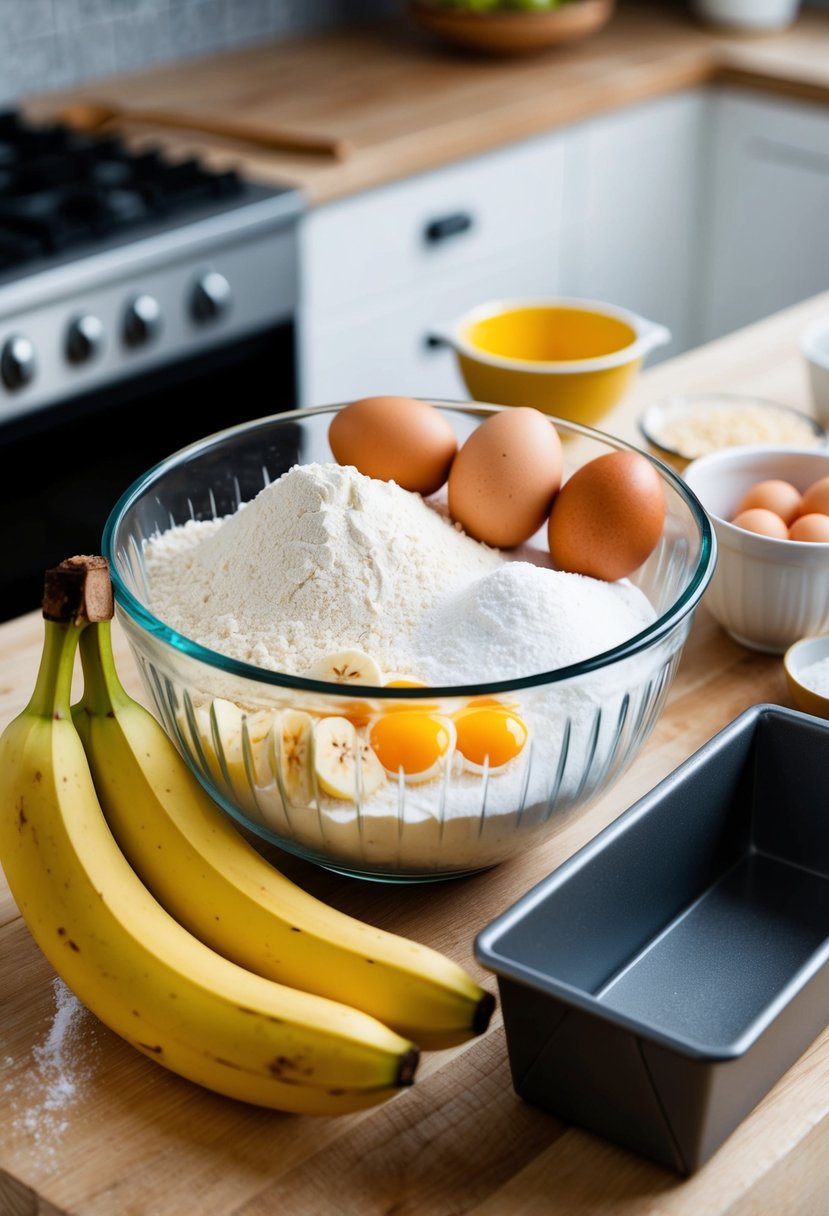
(797, 662)
(766, 593)
(814, 345)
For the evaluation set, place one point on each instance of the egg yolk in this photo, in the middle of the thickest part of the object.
(489, 736)
(411, 743)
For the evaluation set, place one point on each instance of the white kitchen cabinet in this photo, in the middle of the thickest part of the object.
(635, 195)
(768, 241)
(703, 210)
(379, 269)
(370, 353)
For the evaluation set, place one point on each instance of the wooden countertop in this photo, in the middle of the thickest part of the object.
(407, 104)
(136, 1141)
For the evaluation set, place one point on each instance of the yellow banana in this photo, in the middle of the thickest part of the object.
(138, 970)
(190, 855)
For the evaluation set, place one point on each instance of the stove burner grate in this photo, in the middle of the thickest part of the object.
(60, 190)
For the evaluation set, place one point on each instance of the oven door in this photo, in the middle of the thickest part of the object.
(64, 468)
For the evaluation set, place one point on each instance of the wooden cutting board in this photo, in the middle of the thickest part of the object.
(92, 1128)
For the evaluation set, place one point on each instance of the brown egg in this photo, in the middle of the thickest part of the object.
(762, 521)
(608, 517)
(775, 495)
(397, 439)
(816, 498)
(813, 527)
(505, 477)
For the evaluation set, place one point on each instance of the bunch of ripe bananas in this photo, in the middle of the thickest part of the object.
(174, 930)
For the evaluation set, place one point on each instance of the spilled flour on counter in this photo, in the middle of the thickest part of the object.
(40, 1101)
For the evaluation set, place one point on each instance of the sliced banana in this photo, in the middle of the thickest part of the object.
(294, 748)
(345, 765)
(258, 726)
(227, 733)
(346, 667)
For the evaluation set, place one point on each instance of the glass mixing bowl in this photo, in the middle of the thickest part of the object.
(554, 740)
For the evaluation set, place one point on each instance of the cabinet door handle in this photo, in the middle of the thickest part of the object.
(434, 342)
(447, 226)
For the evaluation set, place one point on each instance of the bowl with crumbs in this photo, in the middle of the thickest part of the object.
(684, 427)
(806, 667)
(360, 662)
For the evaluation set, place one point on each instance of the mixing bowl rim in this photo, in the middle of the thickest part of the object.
(129, 606)
(647, 334)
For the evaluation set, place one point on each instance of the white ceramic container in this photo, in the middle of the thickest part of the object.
(748, 14)
(765, 593)
(814, 345)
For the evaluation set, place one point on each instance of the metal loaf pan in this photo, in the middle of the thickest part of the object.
(657, 984)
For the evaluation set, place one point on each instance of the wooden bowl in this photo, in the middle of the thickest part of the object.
(512, 31)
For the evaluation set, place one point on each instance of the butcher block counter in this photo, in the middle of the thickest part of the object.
(399, 103)
(93, 1128)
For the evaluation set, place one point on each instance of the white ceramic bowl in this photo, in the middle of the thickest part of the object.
(814, 345)
(766, 593)
(749, 15)
(800, 663)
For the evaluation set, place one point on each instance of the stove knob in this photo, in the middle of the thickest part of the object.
(142, 322)
(211, 297)
(17, 362)
(84, 339)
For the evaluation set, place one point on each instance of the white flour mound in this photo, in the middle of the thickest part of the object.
(321, 560)
(325, 559)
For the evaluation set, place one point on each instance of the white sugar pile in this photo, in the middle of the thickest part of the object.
(522, 618)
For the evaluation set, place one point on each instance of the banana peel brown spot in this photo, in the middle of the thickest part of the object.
(153, 1049)
(289, 1070)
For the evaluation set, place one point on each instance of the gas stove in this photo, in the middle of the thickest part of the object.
(115, 261)
(145, 302)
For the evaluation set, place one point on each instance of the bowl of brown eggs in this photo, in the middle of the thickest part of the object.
(770, 509)
(407, 639)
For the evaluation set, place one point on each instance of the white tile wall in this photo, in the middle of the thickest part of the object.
(47, 44)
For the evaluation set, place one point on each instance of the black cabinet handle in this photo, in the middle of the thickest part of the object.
(448, 226)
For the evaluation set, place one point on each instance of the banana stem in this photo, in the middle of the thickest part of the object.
(76, 592)
(103, 692)
(53, 686)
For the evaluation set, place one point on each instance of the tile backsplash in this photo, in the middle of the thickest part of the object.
(50, 44)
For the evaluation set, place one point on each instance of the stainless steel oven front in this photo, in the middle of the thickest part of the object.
(144, 303)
